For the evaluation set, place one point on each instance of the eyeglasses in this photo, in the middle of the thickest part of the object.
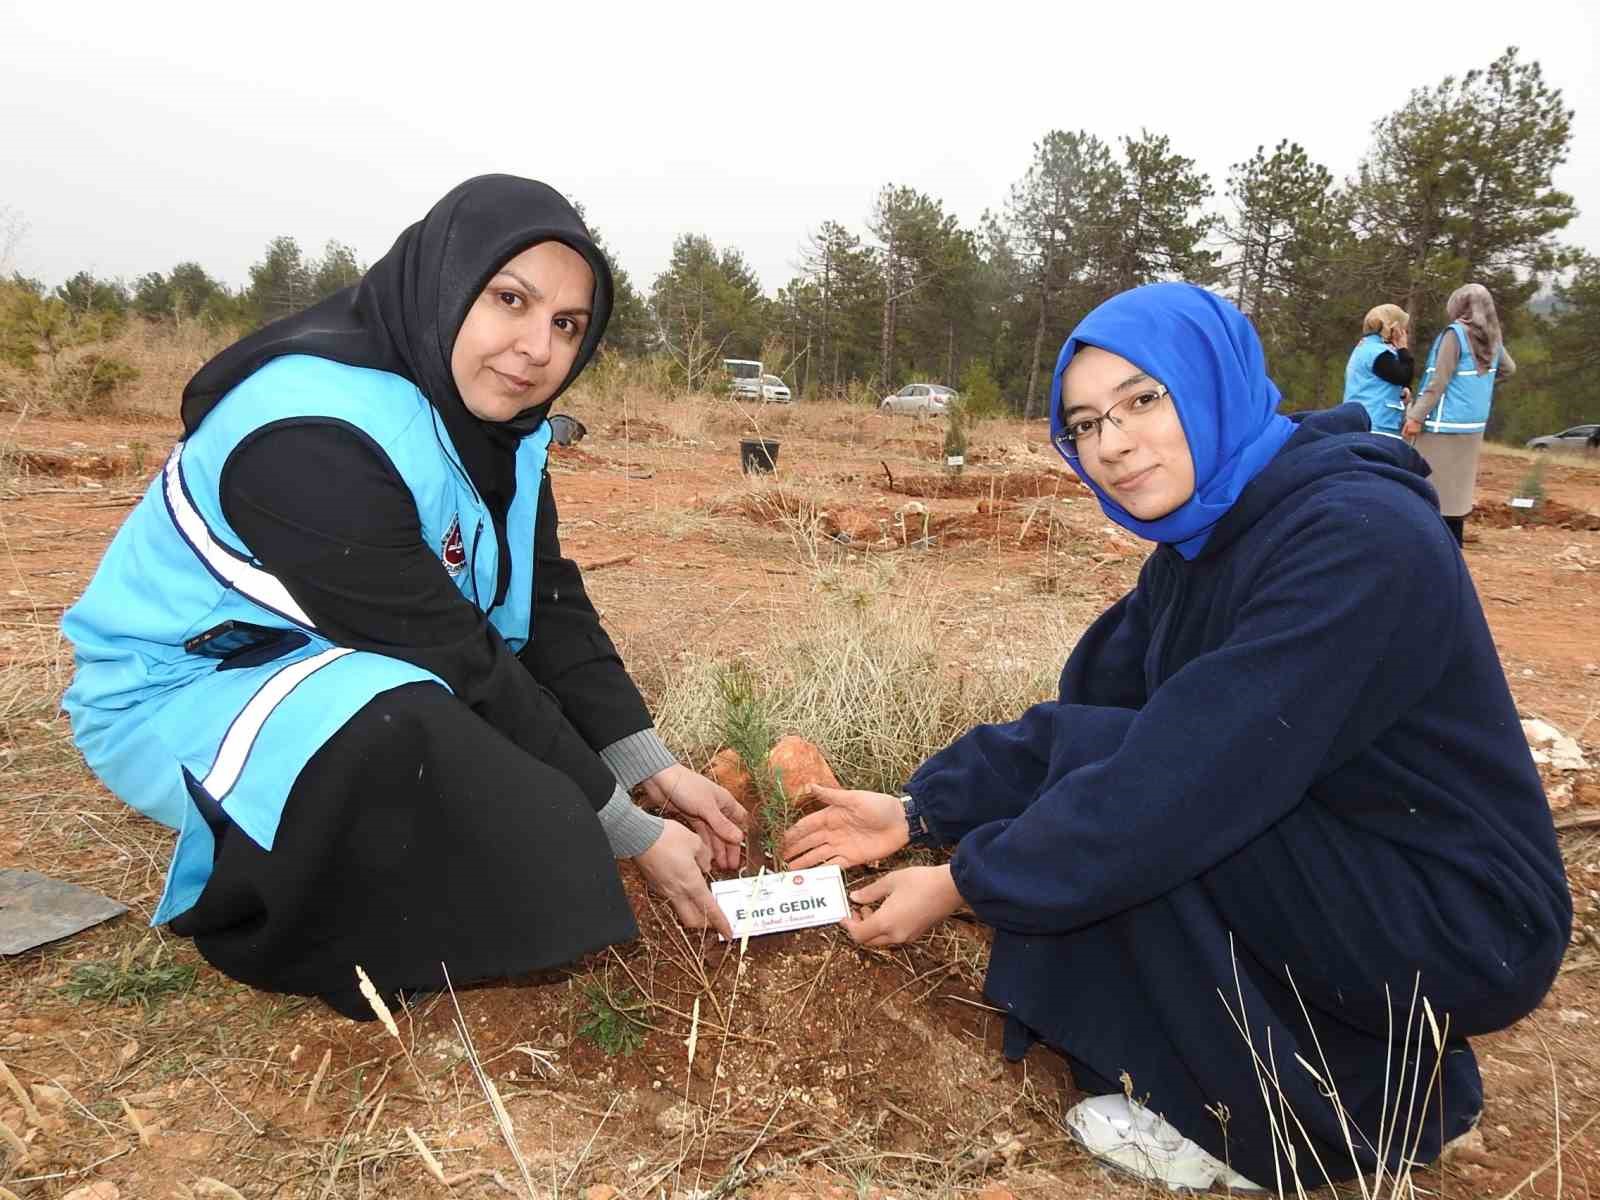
(1082, 431)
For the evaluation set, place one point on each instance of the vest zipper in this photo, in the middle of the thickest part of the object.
(450, 458)
(476, 535)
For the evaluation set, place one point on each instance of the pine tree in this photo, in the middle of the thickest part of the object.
(1055, 219)
(707, 305)
(918, 249)
(84, 293)
(629, 330)
(280, 284)
(1159, 228)
(1459, 182)
(1279, 201)
(1298, 269)
(336, 270)
(187, 291)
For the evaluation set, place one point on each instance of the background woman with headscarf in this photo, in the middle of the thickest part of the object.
(1447, 419)
(1378, 373)
(1258, 797)
(337, 647)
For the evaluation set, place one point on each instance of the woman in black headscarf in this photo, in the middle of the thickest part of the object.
(338, 649)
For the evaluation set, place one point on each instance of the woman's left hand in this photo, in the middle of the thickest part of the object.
(1410, 429)
(913, 901)
(708, 808)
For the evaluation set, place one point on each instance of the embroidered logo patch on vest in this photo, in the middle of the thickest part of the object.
(452, 553)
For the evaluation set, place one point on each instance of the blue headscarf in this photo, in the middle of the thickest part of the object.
(1208, 355)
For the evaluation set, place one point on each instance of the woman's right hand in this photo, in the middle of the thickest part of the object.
(851, 828)
(676, 866)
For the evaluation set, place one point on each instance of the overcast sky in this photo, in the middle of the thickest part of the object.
(134, 136)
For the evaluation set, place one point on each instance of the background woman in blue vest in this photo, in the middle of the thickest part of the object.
(1378, 374)
(1257, 789)
(1447, 419)
(337, 646)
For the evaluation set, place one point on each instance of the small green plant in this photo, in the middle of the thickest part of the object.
(612, 1023)
(127, 980)
(777, 814)
(138, 459)
(1532, 485)
(746, 728)
(955, 428)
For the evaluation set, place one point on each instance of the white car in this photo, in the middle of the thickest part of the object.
(775, 390)
(1576, 438)
(919, 398)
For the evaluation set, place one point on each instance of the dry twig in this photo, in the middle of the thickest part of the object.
(316, 1080)
(21, 1093)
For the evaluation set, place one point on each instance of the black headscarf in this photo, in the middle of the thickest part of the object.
(404, 315)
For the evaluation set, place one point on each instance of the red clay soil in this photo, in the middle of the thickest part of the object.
(1551, 513)
(815, 1043)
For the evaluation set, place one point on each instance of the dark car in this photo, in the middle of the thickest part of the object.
(1568, 439)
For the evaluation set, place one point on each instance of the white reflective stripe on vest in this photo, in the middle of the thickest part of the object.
(241, 735)
(1461, 426)
(248, 580)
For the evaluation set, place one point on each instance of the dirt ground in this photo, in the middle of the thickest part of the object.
(820, 1068)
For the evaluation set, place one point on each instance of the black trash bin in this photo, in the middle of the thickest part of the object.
(758, 455)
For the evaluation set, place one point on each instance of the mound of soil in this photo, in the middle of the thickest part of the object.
(94, 464)
(572, 454)
(883, 528)
(1546, 512)
(921, 447)
(1010, 486)
(774, 507)
(638, 429)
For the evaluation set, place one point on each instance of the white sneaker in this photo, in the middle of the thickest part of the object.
(1128, 1135)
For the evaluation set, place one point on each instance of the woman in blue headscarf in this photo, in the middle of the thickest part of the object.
(1269, 858)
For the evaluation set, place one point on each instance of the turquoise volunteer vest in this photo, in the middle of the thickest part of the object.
(1464, 407)
(188, 744)
(1380, 398)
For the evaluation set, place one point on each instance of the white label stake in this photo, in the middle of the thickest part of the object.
(784, 900)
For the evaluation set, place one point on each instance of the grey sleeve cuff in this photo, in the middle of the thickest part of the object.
(638, 756)
(629, 829)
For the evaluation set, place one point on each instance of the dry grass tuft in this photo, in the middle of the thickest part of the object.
(502, 1119)
(161, 359)
(21, 1093)
(862, 671)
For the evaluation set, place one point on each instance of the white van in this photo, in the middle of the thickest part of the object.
(744, 377)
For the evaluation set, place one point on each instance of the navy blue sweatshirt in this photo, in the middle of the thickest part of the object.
(1277, 686)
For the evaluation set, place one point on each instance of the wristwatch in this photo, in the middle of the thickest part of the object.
(916, 823)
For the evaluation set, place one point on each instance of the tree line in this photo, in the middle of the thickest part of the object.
(1456, 185)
